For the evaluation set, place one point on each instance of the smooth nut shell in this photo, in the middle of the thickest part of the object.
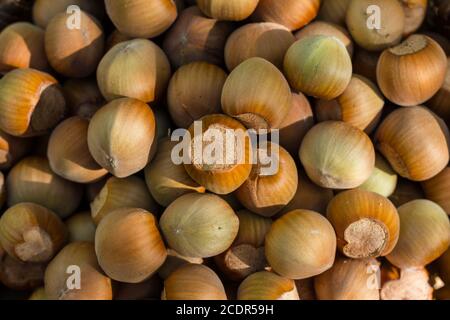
(318, 66)
(175, 260)
(68, 152)
(373, 39)
(230, 10)
(297, 123)
(415, 13)
(321, 28)
(121, 135)
(81, 227)
(193, 282)
(365, 63)
(141, 18)
(130, 192)
(32, 180)
(22, 46)
(195, 37)
(424, 234)
(31, 102)
(293, 14)
(415, 142)
(136, 69)
(268, 194)
(12, 149)
(83, 97)
(128, 245)
(412, 72)
(94, 285)
(266, 40)
(168, 181)
(439, 103)
(257, 94)
(45, 10)
(267, 286)
(437, 189)
(301, 244)
(360, 105)
(199, 225)
(337, 155)
(195, 91)
(406, 191)
(74, 52)
(334, 11)
(252, 229)
(383, 179)
(309, 196)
